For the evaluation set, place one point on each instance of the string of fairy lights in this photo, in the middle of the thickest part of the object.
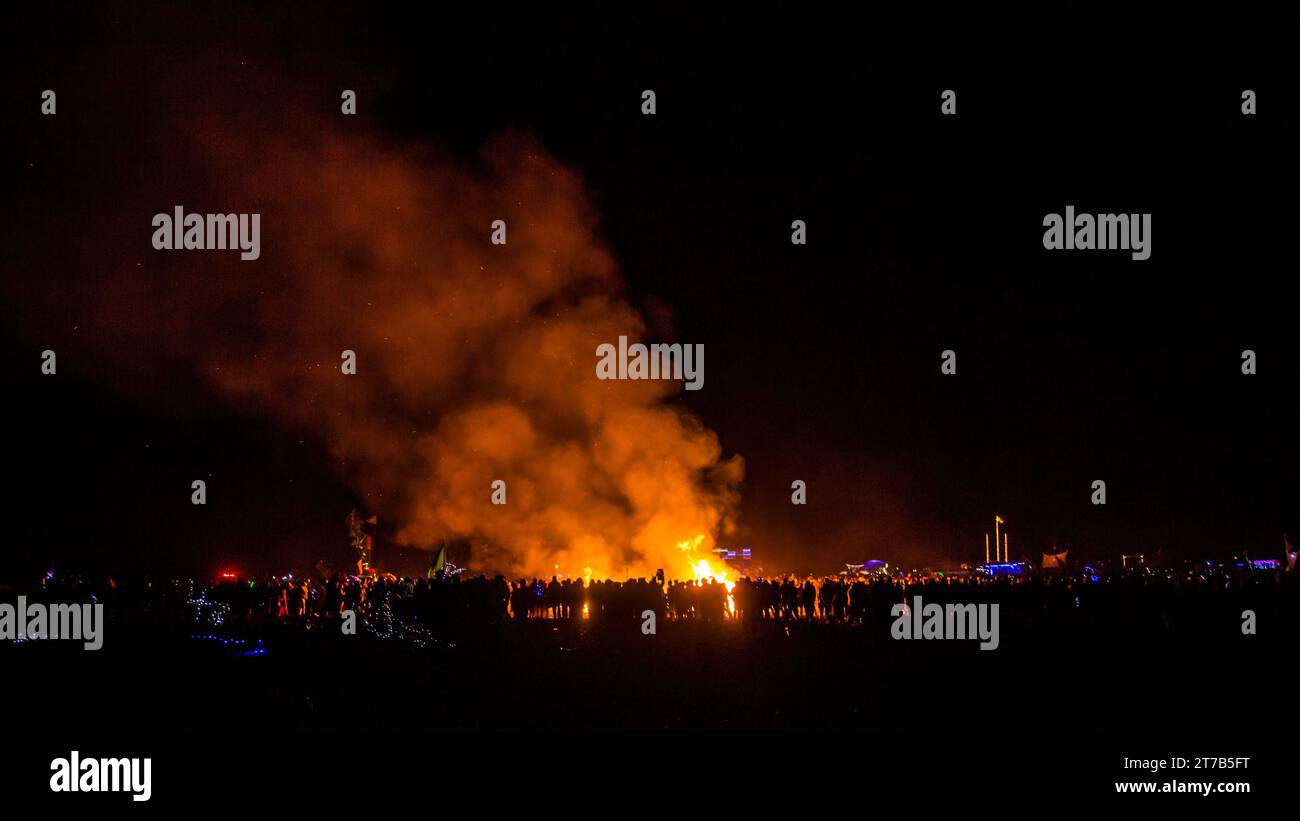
(380, 622)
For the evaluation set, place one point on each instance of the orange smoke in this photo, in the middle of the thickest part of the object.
(475, 362)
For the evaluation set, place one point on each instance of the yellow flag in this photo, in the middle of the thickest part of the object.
(439, 561)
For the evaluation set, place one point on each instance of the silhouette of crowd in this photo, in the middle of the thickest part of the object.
(1146, 602)
(459, 601)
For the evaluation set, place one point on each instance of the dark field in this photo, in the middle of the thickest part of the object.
(1064, 699)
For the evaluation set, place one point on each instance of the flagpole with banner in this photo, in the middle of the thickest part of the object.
(439, 561)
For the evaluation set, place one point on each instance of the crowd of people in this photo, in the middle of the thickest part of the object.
(458, 599)
(454, 602)
(498, 599)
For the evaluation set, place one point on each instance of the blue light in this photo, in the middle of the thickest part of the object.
(1002, 569)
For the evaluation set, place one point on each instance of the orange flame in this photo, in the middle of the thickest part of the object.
(701, 569)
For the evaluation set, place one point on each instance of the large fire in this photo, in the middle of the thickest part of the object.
(475, 362)
(702, 569)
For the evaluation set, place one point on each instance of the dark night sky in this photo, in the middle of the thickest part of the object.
(822, 361)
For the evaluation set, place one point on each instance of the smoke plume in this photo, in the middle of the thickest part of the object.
(475, 362)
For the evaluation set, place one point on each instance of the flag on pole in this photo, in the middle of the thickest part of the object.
(439, 561)
(999, 520)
